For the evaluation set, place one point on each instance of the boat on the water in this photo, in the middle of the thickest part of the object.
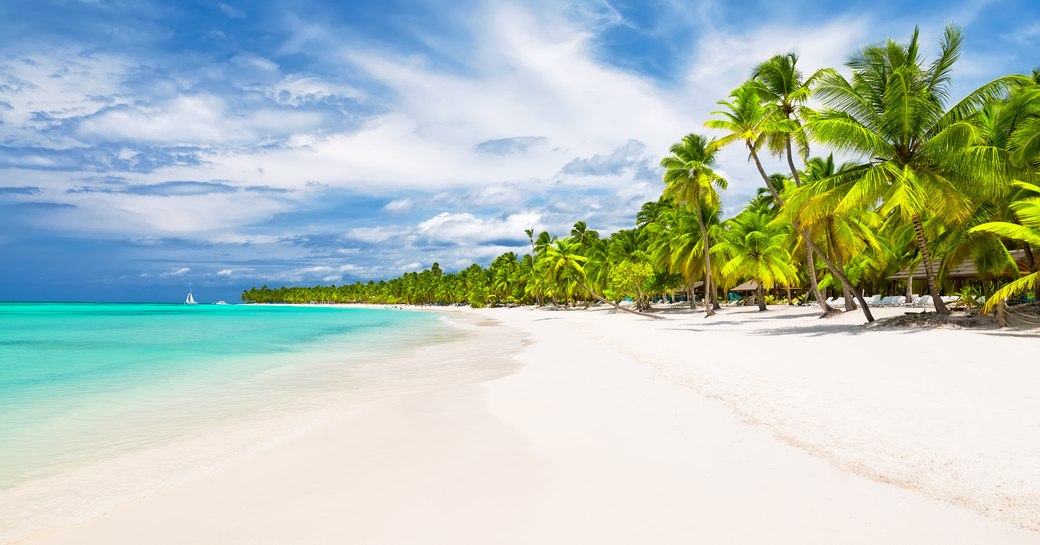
(190, 300)
(221, 302)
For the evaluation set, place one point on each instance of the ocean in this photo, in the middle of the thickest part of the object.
(84, 382)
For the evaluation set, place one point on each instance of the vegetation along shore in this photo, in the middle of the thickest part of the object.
(938, 204)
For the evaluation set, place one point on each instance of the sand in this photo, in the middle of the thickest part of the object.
(600, 427)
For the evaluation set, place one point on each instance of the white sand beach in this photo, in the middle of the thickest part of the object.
(589, 426)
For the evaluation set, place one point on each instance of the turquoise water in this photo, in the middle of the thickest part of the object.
(82, 382)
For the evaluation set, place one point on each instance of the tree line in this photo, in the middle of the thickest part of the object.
(936, 183)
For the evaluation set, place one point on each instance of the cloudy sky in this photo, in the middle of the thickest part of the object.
(148, 147)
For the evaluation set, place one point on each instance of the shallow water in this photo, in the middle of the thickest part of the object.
(85, 382)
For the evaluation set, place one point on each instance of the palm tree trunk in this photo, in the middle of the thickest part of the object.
(760, 295)
(693, 295)
(1031, 260)
(709, 311)
(910, 284)
(809, 265)
(856, 292)
(850, 303)
(617, 306)
(820, 300)
(929, 270)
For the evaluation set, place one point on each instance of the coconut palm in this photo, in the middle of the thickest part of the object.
(779, 83)
(691, 181)
(749, 121)
(846, 235)
(754, 248)
(583, 236)
(563, 262)
(1027, 210)
(924, 159)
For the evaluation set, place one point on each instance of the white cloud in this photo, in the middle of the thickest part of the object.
(255, 61)
(465, 228)
(60, 84)
(195, 120)
(297, 90)
(374, 235)
(323, 273)
(177, 272)
(225, 273)
(399, 205)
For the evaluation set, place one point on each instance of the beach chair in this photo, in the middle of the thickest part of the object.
(874, 300)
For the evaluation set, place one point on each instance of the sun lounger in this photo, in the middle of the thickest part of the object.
(891, 301)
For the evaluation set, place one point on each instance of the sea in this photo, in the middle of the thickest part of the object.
(84, 382)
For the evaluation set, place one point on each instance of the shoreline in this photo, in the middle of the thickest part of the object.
(618, 429)
(84, 491)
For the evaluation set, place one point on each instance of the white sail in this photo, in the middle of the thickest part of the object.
(190, 300)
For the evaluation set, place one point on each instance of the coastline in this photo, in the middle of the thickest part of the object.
(85, 491)
(746, 428)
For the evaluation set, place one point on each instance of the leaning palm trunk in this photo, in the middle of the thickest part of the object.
(760, 295)
(929, 270)
(615, 305)
(813, 247)
(856, 292)
(846, 295)
(809, 264)
(709, 309)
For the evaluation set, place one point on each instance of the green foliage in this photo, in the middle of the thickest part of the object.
(628, 279)
(935, 181)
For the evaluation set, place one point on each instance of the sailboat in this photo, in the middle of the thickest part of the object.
(190, 300)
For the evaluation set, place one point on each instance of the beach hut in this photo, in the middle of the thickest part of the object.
(965, 273)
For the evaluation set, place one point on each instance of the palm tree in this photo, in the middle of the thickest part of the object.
(691, 181)
(1027, 210)
(780, 85)
(923, 158)
(583, 236)
(564, 262)
(847, 235)
(747, 120)
(754, 248)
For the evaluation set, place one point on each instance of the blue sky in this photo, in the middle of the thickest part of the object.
(149, 147)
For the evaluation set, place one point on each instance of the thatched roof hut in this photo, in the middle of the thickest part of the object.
(966, 270)
(750, 285)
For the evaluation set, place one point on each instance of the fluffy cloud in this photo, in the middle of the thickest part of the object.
(41, 90)
(442, 146)
(465, 228)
